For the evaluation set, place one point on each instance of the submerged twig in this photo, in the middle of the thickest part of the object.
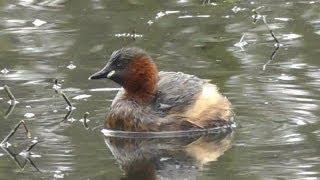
(12, 132)
(9, 93)
(67, 101)
(277, 44)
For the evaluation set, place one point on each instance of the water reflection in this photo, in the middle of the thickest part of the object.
(167, 158)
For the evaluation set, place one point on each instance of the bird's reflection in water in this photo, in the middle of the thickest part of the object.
(167, 158)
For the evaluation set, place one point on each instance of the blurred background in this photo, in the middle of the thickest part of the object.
(276, 100)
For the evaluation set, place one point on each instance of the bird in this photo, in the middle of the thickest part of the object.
(152, 100)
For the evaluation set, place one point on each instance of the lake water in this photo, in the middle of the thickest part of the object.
(276, 100)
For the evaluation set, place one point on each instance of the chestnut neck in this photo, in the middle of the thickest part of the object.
(141, 79)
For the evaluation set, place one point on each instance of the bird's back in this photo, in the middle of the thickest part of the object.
(182, 101)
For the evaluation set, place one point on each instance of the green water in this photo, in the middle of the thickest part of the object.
(278, 129)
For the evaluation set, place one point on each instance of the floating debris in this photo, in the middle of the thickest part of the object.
(82, 96)
(270, 30)
(29, 115)
(256, 15)
(4, 71)
(277, 45)
(56, 85)
(85, 120)
(13, 100)
(9, 111)
(69, 107)
(71, 66)
(11, 133)
(27, 152)
(38, 22)
(68, 115)
(5, 145)
(241, 43)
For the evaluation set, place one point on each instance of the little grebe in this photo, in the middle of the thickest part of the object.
(160, 101)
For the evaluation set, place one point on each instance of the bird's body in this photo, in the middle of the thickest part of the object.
(163, 101)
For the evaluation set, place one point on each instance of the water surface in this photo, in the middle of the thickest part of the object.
(277, 108)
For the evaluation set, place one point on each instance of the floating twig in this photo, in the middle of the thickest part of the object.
(32, 146)
(277, 44)
(133, 33)
(67, 116)
(13, 156)
(26, 154)
(32, 164)
(85, 119)
(271, 58)
(270, 30)
(241, 43)
(10, 95)
(9, 111)
(70, 107)
(12, 132)
(56, 86)
(256, 15)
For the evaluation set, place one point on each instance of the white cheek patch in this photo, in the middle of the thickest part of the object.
(111, 73)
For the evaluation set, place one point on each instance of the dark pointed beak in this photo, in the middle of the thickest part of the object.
(106, 72)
